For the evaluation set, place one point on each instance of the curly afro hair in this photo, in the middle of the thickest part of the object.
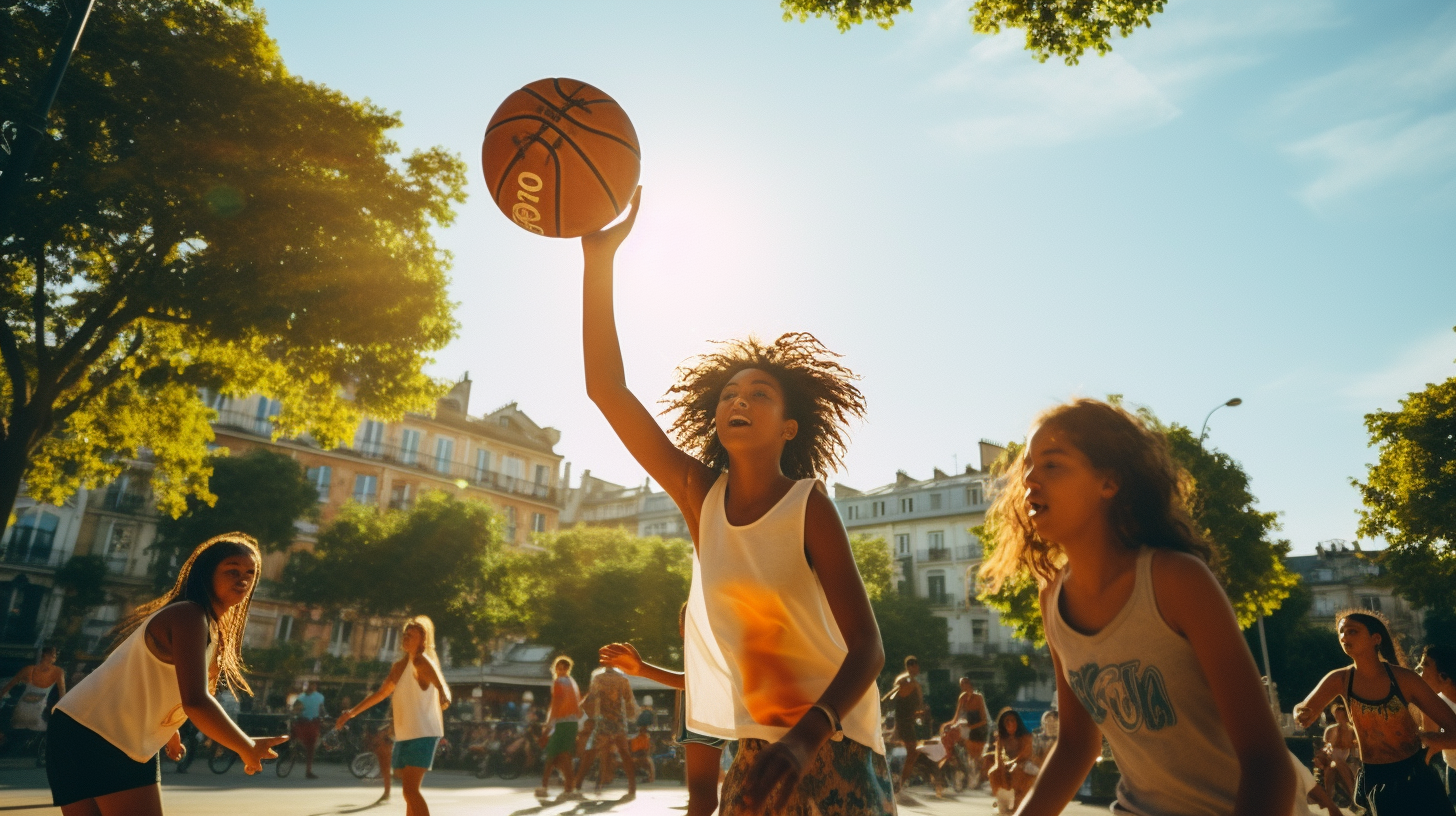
(819, 394)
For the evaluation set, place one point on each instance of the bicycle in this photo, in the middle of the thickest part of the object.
(283, 766)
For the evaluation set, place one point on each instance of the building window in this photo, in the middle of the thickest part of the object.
(340, 637)
(389, 643)
(366, 487)
(320, 477)
(32, 537)
(935, 588)
(543, 475)
(505, 422)
(482, 464)
(1371, 602)
(369, 439)
(877, 508)
(936, 541)
(538, 522)
(902, 544)
(907, 504)
(284, 632)
(401, 496)
(973, 495)
(267, 409)
(978, 631)
(118, 546)
(514, 467)
(444, 454)
(510, 525)
(934, 501)
(409, 446)
(851, 512)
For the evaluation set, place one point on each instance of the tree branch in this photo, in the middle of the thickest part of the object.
(166, 318)
(38, 313)
(99, 383)
(104, 337)
(15, 368)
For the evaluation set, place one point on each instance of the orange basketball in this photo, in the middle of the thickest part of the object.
(561, 158)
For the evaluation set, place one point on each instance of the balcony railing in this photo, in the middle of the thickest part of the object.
(414, 459)
(32, 555)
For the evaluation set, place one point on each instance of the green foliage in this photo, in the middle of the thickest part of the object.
(872, 557)
(293, 659)
(1301, 652)
(83, 579)
(1410, 494)
(443, 558)
(593, 586)
(261, 493)
(202, 218)
(1250, 559)
(1062, 28)
(1440, 626)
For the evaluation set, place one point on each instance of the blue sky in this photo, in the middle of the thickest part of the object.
(1248, 199)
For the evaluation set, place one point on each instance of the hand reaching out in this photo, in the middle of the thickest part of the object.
(607, 240)
(262, 749)
(623, 656)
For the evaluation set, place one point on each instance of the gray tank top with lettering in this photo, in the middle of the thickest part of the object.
(1142, 684)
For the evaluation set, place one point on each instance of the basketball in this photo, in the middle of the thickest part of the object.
(561, 158)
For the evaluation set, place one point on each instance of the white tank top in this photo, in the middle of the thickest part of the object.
(131, 699)
(27, 715)
(761, 642)
(1142, 684)
(416, 710)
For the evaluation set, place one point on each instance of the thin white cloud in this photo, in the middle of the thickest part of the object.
(1430, 360)
(1370, 152)
(1013, 101)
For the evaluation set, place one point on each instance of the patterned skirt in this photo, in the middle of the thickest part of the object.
(844, 779)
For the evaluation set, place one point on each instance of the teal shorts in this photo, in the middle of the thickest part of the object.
(415, 753)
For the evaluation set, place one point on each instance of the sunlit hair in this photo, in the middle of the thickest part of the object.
(1375, 623)
(1149, 510)
(426, 628)
(819, 394)
(570, 664)
(194, 583)
(1008, 713)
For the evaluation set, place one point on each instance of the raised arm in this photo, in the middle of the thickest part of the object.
(1332, 686)
(625, 657)
(684, 478)
(385, 689)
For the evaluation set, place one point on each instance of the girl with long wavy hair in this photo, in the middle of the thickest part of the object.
(1379, 693)
(781, 646)
(101, 755)
(1146, 646)
(418, 697)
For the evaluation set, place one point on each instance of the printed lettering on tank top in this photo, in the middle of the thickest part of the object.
(1133, 699)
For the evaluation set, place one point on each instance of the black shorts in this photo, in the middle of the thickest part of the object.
(81, 764)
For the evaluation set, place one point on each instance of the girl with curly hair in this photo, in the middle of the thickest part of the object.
(782, 649)
(1146, 646)
(1380, 692)
(101, 755)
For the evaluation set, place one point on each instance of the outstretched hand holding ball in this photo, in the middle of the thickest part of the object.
(606, 241)
(561, 158)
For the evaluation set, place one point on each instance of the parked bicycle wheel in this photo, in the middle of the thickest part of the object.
(487, 765)
(365, 765)
(285, 759)
(221, 760)
(511, 765)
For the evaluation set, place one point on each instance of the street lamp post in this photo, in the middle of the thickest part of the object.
(1203, 432)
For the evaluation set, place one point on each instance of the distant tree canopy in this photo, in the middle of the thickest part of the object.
(1251, 560)
(1410, 494)
(908, 625)
(444, 558)
(202, 218)
(1301, 652)
(1054, 28)
(260, 492)
(594, 585)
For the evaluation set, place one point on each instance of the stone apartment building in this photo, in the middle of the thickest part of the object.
(640, 509)
(502, 457)
(1339, 580)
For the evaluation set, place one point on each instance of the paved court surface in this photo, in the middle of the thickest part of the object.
(450, 793)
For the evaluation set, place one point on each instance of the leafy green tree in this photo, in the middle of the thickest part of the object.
(83, 579)
(1410, 494)
(261, 493)
(594, 585)
(200, 217)
(1062, 28)
(444, 558)
(876, 569)
(1250, 560)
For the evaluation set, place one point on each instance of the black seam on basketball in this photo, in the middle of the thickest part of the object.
(584, 158)
(557, 161)
(520, 154)
(567, 116)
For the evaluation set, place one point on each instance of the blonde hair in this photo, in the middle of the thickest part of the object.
(427, 647)
(194, 583)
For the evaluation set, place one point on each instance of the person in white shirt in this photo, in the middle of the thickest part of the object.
(1438, 669)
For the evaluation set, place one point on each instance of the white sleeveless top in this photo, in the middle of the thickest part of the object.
(131, 699)
(761, 643)
(416, 711)
(1142, 684)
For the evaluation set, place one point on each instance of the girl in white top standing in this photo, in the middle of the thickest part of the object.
(418, 696)
(101, 755)
(1145, 644)
(782, 649)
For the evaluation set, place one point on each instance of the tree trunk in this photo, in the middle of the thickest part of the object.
(15, 453)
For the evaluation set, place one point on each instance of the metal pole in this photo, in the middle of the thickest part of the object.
(1268, 675)
(33, 125)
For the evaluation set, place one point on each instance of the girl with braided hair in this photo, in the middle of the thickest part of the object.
(101, 755)
(781, 647)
